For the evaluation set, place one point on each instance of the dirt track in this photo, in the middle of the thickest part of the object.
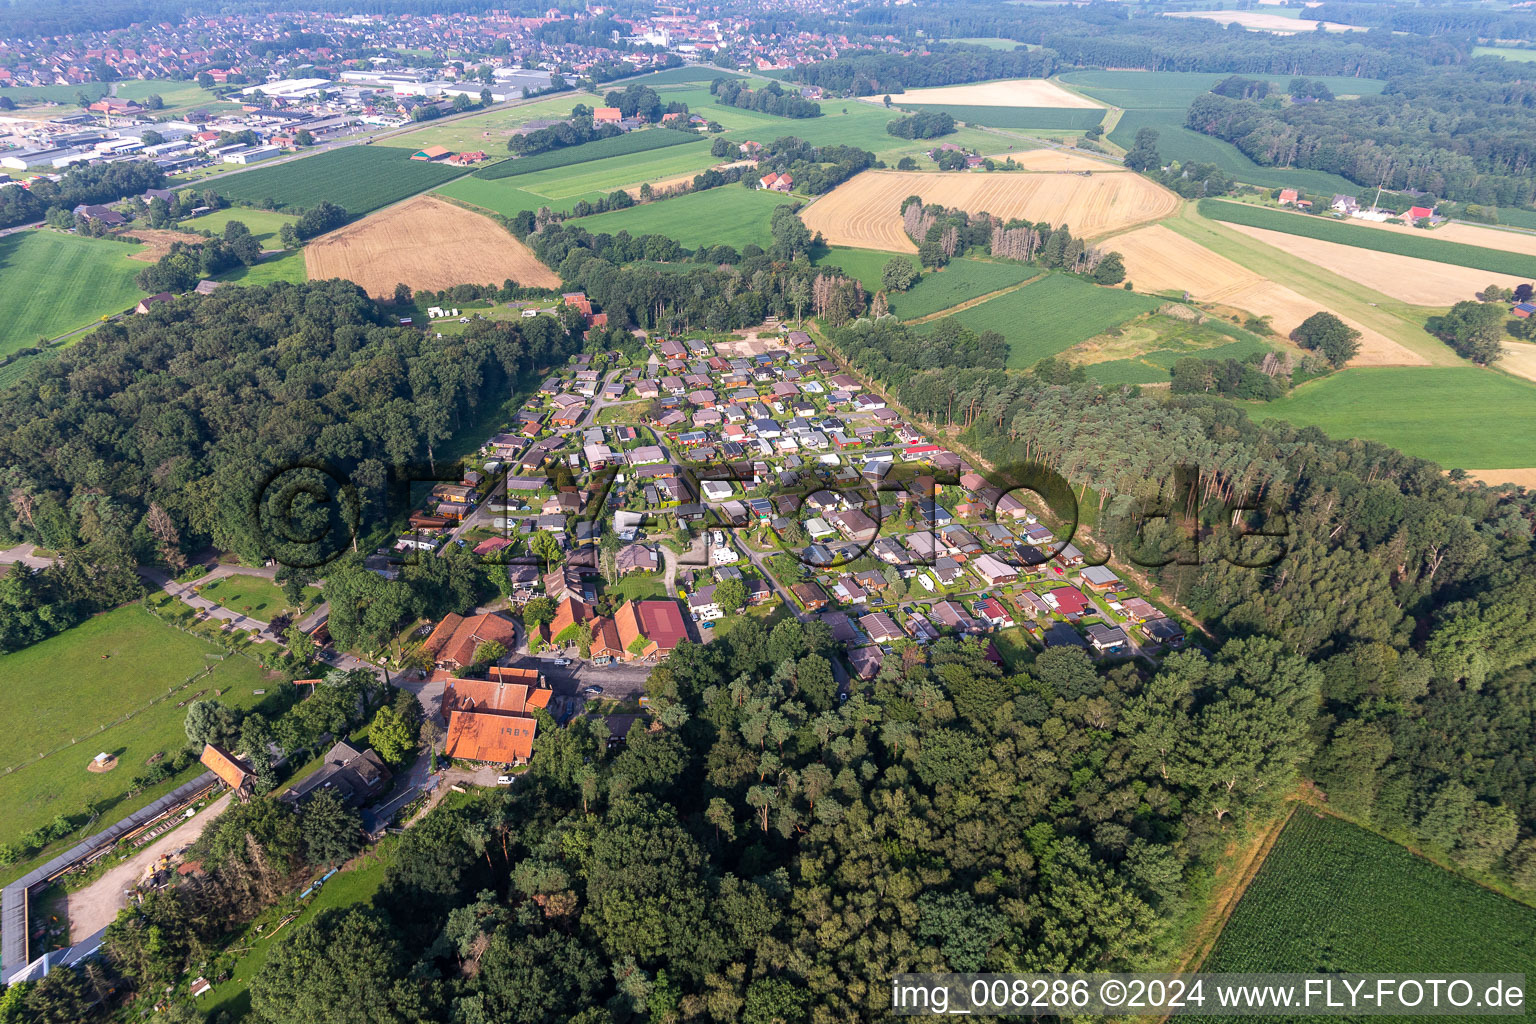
(95, 906)
(427, 244)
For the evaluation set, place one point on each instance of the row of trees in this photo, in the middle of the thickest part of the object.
(772, 98)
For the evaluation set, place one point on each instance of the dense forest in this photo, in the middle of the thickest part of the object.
(772, 98)
(1462, 134)
(156, 434)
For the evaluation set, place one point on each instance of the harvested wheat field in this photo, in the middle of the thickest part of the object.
(1016, 92)
(1059, 160)
(428, 244)
(1405, 278)
(865, 211)
(1158, 259)
(1519, 359)
(1493, 477)
(1467, 234)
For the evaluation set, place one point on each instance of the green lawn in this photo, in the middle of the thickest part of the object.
(264, 224)
(1424, 245)
(601, 177)
(255, 596)
(1053, 314)
(1332, 897)
(488, 131)
(55, 283)
(507, 199)
(638, 586)
(729, 215)
(961, 281)
(1127, 371)
(60, 693)
(1461, 417)
(359, 178)
(625, 146)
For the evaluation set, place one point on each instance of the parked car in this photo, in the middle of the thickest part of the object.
(592, 691)
(562, 662)
(504, 780)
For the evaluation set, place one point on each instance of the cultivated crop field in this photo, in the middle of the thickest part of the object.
(1334, 897)
(728, 215)
(961, 281)
(616, 146)
(358, 178)
(1017, 92)
(1406, 278)
(1160, 260)
(1421, 245)
(1462, 417)
(55, 283)
(1051, 315)
(1062, 160)
(425, 243)
(865, 212)
(65, 688)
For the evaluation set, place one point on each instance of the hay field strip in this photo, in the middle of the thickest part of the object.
(1264, 22)
(426, 243)
(1417, 243)
(1016, 92)
(1409, 279)
(1159, 260)
(1324, 289)
(864, 212)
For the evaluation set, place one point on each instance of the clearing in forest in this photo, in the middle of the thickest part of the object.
(1160, 260)
(865, 212)
(426, 243)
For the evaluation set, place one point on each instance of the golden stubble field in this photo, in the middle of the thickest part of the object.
(1405, 278)
(1017, 92)
(865, 211)
(427, 244)
(1158, 259)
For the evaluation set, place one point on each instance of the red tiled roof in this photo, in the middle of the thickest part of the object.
(225, 765)
(660, 622)
(494, 736)
(455, 638)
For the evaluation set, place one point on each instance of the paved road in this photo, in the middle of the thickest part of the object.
(23, 553)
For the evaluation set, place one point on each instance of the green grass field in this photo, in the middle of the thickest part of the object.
(32, 95)
(1021, 118)
(1159, 99)
(1145, 351)
(177, 96)
(487, 131)
(616, 146)
(264, 224)
(1461, 416)
(1051, 315)
(1332, 897)
(864, 264)
(1515, 217)
(358, 178)
(55, 283)
(991, 43)
(961, 281)
(255, 596)
(284, 266)
(1127, 371)
(61, 691)
(1507, 52)
(1425, 246)
(729, 215)
(507, 199)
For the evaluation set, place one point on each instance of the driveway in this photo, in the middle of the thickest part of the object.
(95, 906)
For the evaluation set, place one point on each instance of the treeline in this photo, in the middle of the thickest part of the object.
(566, 133)
(181, 268)
(816, 169)
(873, 74)
(637, 100)
(189, 422)
(1407, 591)
(1465, 23)
(1458, 133)
(772, 98)
(96, 184)
(943, 233)
(926, 124)
(1261, 377)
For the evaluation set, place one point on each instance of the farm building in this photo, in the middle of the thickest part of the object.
(431, 153)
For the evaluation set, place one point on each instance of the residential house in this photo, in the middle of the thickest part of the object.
(231, 770)
(636, 558)
(953, 615)
(1105, 638)
(1100, 578)
(358, 777)
(881, 628)
(994, 613)
(994, 571)
(1068, 601)
(650, 629)
(810, 595)
(454, 641)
